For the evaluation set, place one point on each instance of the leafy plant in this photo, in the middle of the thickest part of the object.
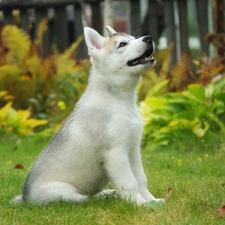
(16, 44)
(40, 83)
(196, 109)
(5, 97)
(12, 121)
(157, 74)
(209, 68)
(43, 107)
(186, 71)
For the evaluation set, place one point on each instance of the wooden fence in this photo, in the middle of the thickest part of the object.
(169, 15)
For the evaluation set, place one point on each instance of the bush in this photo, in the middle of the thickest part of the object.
(40, 83)
(197, 109)
(13, 121)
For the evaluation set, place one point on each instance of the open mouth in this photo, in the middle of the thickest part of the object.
(143, 59)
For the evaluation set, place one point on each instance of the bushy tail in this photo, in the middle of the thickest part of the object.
(17, 200)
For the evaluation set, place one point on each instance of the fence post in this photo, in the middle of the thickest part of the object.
(202, 17)
(152, 23)
(97, 22)
(81, 50)
(135, 16)
(8, 17)
(24, 20)
(108, 15)
(219, 24)
(61, 28)
(183, 26)
(171, 28)
(40, 14)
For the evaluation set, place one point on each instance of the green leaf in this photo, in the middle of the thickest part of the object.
(198, 91)
(179, 98)
(156, 103)
(199, 130)
(160, 114)
(186, 114)
(217, 108)
(155, 205)
(157, 88)
(209, 91)
(212, 118)
(220, 96)
(161, 138)
(179, 123)
(199, 110)
(174, 107)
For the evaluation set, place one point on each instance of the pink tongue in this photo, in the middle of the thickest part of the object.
(147, 60)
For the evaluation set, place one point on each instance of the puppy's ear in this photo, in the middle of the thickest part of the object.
(94, 40)
(110, 30)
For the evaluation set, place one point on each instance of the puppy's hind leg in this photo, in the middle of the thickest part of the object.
(56, 191)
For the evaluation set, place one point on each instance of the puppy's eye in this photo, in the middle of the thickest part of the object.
(122, 44)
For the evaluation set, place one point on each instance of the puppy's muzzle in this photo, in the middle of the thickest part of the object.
(147, 39)
(147, 56)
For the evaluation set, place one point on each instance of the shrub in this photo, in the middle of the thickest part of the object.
(39, 83)
(197, 109)
(13, 121)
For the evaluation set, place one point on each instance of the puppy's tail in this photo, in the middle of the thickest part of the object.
(17, 200)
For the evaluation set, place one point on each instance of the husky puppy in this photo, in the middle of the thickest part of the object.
(100, 141)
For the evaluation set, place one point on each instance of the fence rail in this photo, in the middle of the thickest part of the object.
(9, 4)
(169, 15)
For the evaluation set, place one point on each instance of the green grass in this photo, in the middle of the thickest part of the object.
(193, 168)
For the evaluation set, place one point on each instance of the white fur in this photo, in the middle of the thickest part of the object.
(100, 141)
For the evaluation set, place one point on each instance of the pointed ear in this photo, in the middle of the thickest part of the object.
(94, 40)
(110, 30)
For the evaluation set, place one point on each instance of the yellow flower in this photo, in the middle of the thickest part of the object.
(173, 123)
(61, 105)
(206, 155)
(179, 162)
(8, 162)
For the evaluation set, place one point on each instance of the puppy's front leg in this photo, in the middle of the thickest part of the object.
(118, 168)
(138, 171)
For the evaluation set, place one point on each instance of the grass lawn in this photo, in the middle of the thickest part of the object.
(193, 168)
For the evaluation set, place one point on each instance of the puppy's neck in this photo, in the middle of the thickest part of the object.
(121, 87)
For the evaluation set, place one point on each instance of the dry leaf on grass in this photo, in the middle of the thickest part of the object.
(19, 166)
(221, 211)
(169, 193)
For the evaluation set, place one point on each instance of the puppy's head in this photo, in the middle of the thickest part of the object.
(120, 53)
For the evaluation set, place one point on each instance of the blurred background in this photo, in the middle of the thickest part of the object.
(191, 24)
(44, 64)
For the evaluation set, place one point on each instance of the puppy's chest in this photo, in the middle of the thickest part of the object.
(125, 122)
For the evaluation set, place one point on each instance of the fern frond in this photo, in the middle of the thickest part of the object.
(68, 52)
(65, 63)
(166, 63)
(180, 72)
(42, 28)
(18, 43)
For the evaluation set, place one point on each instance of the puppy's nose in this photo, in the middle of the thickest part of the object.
(147, 39)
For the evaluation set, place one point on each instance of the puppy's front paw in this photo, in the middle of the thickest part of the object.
(160, 200)
(156, 204)
(140, 201)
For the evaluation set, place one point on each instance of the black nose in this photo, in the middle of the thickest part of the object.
(147, 39)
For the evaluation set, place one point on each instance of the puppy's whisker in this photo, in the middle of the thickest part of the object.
(156, 50)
